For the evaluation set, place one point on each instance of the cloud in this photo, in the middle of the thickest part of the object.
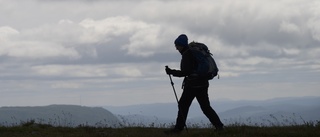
(42, 42)
(6, 31)
(38, 50)
(88, 71)
(114, 46)
(313, 24)
(269, 30)
(78, 40)
(289, 28)
(141, 36)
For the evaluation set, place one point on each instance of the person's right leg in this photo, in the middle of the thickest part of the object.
(184, 104)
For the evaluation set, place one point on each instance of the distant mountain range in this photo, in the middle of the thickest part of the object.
(58, 115)
(279, 111)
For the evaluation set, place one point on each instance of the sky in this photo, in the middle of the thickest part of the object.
(113, 52)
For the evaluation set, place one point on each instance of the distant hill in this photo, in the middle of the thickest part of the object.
(278, 111)
(58, 115)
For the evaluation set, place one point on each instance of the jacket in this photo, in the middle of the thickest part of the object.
(188, 66)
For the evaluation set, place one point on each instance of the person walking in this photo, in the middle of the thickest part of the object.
(193, 87)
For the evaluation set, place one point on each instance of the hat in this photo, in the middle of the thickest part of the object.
(182, 40)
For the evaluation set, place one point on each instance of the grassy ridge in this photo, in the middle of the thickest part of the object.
(232, 131)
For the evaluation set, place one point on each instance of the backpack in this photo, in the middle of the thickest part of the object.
(206, 66)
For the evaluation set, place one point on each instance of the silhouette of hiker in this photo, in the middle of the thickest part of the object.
(193, 87)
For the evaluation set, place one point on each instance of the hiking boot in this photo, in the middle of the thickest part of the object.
(173, 131)
(219, 129)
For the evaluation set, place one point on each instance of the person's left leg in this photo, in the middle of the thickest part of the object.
(203, 99)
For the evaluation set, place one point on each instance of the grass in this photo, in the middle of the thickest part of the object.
(32, 129)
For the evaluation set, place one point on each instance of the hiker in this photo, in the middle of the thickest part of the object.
(193, 87)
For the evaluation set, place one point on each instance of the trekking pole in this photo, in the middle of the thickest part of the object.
(174, 90)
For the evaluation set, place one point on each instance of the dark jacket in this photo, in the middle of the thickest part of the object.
(188, 66)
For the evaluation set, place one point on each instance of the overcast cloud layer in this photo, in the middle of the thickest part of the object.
(109, 52)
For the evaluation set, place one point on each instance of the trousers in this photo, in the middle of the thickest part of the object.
(201, 94)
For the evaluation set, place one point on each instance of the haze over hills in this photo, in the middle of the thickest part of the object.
(280, 111)
(58, 115)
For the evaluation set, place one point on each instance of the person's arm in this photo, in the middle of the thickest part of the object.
(187, 66)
